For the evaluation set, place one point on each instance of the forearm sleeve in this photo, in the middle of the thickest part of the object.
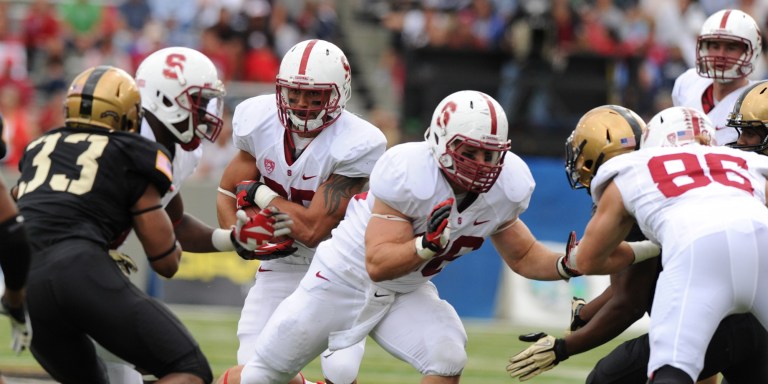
(15, 257)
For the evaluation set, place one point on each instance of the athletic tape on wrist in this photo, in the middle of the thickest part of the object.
(424, 253)
(221, 240)
(644, 250)
(263, 196)
(226, 193)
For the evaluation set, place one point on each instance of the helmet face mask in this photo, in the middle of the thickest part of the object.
(181, 88)
(104, 97)
(601, 134)
(750, 118)
(468, 139)
(677, 127)
(726, 27)
(313, 86)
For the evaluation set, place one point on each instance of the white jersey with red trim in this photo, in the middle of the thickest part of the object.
(680, 193)
(687, 92)
(184, 163)
(349, 147)
(409, 180)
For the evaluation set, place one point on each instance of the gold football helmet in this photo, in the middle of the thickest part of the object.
(105, 97)
(750, 118)
(601, 134)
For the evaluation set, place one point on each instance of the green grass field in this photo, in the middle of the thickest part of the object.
(489, 347)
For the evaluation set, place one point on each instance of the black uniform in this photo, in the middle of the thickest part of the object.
(76, 190)
(738, 349)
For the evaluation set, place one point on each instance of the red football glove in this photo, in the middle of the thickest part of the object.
(251, 232)
(245, 191)
(565, 262)
(438, 233)
(273, 250)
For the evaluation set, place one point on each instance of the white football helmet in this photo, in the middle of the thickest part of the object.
(678, 126)
(469, 119)
(180, 86)
(728, 25)
(320, 67)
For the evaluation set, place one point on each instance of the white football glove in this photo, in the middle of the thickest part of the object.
(21, 328)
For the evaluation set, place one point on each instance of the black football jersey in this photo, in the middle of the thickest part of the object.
(82, 183)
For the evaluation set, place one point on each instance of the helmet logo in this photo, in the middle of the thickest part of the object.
(174, 65)
(347, 68)
(445, 114)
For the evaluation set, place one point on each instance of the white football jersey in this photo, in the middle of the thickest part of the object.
(349, 147)
(184, 163)
(409, 180)
(677, 194)
(687, 92)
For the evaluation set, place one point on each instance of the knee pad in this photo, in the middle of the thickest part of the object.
(670, 375)
(342, 366)
(446, 360)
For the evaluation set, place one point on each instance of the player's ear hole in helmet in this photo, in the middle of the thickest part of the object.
(750, 118)
(468, 139)
(104, 97)
(601, 134)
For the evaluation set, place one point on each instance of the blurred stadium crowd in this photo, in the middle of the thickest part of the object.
(647, 43)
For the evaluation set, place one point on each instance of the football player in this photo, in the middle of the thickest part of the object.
(664, 185)
(80, 187)
(429, 203)
(300, 151)
(727, 50)
(14, 262)
(739, 342)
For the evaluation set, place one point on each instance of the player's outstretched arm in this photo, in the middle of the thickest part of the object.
(524, 254)
(155, 232)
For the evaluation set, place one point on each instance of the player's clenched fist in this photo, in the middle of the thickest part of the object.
(438, 232)
(251, 232)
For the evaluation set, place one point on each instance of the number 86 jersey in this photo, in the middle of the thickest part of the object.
(681, 193)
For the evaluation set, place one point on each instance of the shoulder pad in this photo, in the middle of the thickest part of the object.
(252, 113)
(405, 175)
(356, 145)
(149, 159)
(516, 179)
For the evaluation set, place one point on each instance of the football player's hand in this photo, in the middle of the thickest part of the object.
(21, 330)
(251, 232)
(543, 355)
(438, 232)
(124, 262)
(272, 250)
(565, 263)
(576, 321)
(252, 193)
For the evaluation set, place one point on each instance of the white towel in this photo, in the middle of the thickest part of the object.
(377, 304)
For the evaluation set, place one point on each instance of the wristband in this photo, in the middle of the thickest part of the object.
(221, 240)
(424, 253)
(263, 196)
(644, 250)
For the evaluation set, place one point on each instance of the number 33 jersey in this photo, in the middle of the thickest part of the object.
(678, 194)
(349, 147)
(82, 183)
(409, 180)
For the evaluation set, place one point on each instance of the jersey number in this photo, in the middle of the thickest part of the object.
(60, 182)
(452, 253)
(686, 167)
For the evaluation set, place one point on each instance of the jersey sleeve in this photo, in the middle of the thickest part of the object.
(356, 153)
(149, 159)
(249, 116)
(405, 182)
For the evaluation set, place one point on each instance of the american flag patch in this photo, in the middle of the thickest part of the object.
(163, 164)
(685, 135)
(628, 142)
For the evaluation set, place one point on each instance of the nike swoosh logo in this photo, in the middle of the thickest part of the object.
(261, 269)
(305, 177)
(480, 222)
(321, 276)
(376, 294)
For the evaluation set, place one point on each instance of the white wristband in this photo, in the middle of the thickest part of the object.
(644, 250)
(221, 240)
(263, 196)
(424, 253)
